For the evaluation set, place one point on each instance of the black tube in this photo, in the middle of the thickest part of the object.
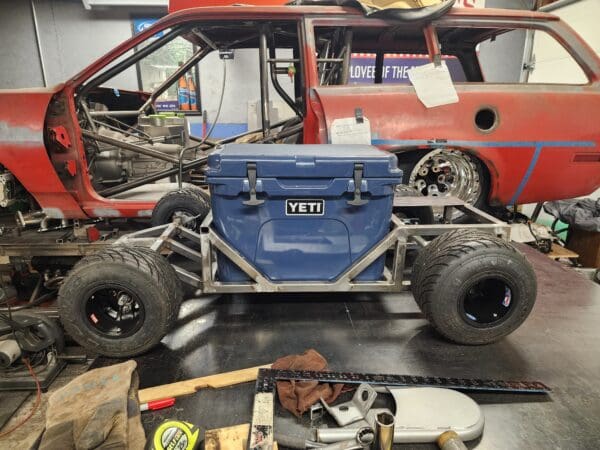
(286, 98)
(264, 84)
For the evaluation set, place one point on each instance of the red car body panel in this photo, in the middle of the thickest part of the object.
(24, 153)
(545, 145)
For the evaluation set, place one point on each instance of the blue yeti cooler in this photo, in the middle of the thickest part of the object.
(293, 210)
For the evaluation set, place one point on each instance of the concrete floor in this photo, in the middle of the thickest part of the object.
(557, 345)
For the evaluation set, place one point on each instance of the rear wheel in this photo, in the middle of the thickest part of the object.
(473, 287)
(189, 204)
(446, 172)
(121, 301)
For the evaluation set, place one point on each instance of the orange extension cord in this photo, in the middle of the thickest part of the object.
(38, 399)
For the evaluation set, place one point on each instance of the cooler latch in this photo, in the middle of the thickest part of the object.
(253, 201)
(358, 175)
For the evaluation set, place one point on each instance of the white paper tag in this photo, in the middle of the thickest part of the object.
(433, 84)
(349, 131)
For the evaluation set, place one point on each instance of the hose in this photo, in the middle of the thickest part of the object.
(210, 130)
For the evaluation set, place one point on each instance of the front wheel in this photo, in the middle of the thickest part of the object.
(473, 287)
(120, 302)
(191, 205)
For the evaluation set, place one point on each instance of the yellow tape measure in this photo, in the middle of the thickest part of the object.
(175, 435)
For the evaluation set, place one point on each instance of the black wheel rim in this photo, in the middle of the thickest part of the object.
(113, 311)
(487, 302)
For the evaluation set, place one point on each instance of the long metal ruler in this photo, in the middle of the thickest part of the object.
(261, 431)
(267, 378)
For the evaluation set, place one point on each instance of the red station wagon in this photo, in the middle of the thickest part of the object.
(84, 149)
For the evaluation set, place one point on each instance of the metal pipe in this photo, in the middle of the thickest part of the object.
(88, 116)
(131, 147)
(38, 42)
(384, 431)
(273, 59)
(450, 440)
(286, 98)
(264, 83)
(201, 53)
(205, 38)
(330, 60)
(347, 56)
(114, 113)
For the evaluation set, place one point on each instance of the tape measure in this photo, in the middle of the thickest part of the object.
(175, 435)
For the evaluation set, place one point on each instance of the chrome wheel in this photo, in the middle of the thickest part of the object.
(445, 172)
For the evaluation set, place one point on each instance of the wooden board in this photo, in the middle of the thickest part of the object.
(190, 386)
(559, 251)
(229, 438)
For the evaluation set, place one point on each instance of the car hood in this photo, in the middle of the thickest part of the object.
(22, 114)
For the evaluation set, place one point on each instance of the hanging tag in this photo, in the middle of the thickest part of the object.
(433, 84)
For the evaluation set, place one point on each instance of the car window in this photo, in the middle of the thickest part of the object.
(395, 67)
(186, 75)
(548, 63)
(401, 48)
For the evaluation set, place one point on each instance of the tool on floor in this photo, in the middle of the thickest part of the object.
(363, 440)
(354, 410)
(450, 440)
(157, 404)
(263, 408)
(190, 386)
(175, 434)
(384, 431)
(420, 413)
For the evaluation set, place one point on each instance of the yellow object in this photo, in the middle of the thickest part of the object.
(175, 434)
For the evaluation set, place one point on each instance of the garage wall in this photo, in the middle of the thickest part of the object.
(71, 38)
(583, 16)
(18, 53)
(503, 58)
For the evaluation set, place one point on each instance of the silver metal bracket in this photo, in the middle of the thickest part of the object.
(354, 410)
(358, 176)
(253, 201)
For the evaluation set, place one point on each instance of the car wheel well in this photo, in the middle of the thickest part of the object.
(410, 156)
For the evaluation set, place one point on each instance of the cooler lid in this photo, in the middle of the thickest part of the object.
(302, 161)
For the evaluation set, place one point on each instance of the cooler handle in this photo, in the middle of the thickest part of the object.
(358, 174)
(253, 201)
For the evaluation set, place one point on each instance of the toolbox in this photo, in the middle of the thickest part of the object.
(301, 212)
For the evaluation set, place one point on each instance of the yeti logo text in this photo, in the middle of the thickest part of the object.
(301, 207)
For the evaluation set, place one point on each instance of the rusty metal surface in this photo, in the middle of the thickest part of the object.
(530, 154)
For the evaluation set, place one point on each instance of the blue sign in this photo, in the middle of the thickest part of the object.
(140, 25)
(395, 67)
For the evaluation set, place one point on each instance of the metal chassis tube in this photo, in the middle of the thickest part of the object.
(173, 237)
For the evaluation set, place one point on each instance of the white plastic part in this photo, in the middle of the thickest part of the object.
(9, 352)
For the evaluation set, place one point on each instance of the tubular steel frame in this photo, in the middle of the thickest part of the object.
(175, 237)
